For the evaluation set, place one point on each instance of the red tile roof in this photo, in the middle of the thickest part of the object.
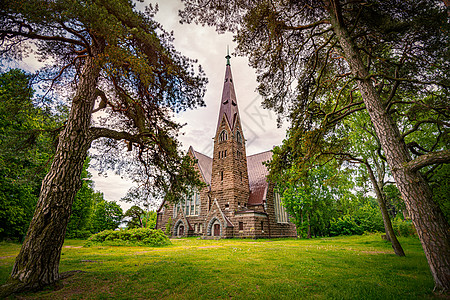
(257, 173)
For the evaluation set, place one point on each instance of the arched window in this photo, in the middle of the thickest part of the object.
(281, 215)
(239, 137)
(223, 136)
(191, 205)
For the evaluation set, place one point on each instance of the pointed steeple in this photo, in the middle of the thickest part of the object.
(228, 105)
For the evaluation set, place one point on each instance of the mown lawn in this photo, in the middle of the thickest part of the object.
(357, 267)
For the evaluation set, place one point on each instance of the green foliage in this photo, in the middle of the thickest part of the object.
(368, 216)
(140, 218)
(394, 201)
(149, 219)
(440, 185)
(107, 216)
(168, 226)
(26, 148)
(403, 227)
(127, 237)
(79, 225)
(345, 225)
(136, 214)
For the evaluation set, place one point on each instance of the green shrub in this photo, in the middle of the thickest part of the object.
(345, 225)
(127, 237)
(78, 234)
(403, 227)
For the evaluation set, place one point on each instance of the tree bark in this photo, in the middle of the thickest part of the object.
(385, 214)
(431, 226)
(37, 264)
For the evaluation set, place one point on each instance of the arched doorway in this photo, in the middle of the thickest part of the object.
(216, 229)
(181, 230)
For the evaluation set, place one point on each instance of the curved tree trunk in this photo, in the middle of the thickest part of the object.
(37, 264)
(385, 214)
(431, 226)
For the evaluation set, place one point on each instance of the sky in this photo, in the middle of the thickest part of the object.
(209, 48)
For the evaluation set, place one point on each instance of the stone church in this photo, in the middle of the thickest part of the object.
(237, 201)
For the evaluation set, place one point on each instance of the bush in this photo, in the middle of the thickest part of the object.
(78, 234)
(403, 227)
(345, 225)
(129, 237)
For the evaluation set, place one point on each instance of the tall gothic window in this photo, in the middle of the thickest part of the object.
(280, 212)
(191, 205)
(223, 136)
(176, 209)
(239, 137)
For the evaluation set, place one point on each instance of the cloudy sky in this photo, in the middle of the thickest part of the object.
(209, 48)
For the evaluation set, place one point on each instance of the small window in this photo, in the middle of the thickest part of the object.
(241, 225)
(200, 228)
(240, 173)
(225, 153)
(239, 137)
(223, 136)
(221, 175)
(195, 227)
(227, 205)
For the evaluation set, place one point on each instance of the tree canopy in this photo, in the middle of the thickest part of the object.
(109, 59)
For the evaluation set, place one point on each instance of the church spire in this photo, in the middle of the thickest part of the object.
(228, 105)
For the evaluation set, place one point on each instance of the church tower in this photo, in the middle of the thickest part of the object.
(229, 180)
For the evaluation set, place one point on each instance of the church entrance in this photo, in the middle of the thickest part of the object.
(216, 229)
(181, 230)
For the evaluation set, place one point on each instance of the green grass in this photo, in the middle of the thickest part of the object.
(357, 267)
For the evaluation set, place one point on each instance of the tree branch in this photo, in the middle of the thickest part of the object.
(31, 35)
(431, 158)
(308, 26)
(98, 132)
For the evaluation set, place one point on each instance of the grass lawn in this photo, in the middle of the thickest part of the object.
(356, 267)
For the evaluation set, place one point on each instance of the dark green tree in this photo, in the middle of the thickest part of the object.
(112, 58)
(80, 221)
(107, 216)
(26, 147)
(136, 215)
(375, 55)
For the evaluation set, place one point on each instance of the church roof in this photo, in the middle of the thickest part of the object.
(228, 105)
(204, 164)
(257, 177)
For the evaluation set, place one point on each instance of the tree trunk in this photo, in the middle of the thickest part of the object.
(431, 226)
(38, 261)
(385, 214)
(308, 235)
